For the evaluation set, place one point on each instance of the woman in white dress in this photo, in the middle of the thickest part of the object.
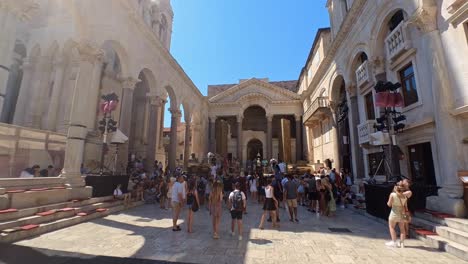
(253, 187)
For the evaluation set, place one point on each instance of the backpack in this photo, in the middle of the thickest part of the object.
(237, 202)
(312, 184)
(201, 187)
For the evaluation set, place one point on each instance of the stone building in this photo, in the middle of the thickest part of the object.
(417, 43)
(56, 60)
(254, 117)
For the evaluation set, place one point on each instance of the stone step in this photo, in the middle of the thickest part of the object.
(34, 210)
(426, 215)
(37, 219)
(452, 234)
(457, 223)
(423, 223)
(449, 246)
(61, 223)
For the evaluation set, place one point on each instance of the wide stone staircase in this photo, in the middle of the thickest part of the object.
(18, 224)
(441, 231)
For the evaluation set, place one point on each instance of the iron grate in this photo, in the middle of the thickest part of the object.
(339, 230)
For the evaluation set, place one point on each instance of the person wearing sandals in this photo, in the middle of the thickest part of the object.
(397, 201)
(215, 206)
(192, 203)
(270, 206)
(178, 198)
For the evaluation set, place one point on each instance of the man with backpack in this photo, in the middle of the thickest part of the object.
(237, 203)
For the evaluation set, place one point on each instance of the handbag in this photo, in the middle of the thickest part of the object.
(195, 206)
(405, 215)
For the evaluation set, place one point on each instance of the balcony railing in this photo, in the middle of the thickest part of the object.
(363, 74)
(397, 41)
(319, 103)
(364, 131)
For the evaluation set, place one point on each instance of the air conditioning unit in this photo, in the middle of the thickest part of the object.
(379, 138)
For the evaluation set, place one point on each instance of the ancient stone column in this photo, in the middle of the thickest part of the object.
(298, 138)
(161, 126)
(155, 103)
(357, 155)
(24, 93)
(335, 138)
(239, 139)
(187, 144)
(213, 134)
(56, 94)
(95, 96)
(42, 77)
(77, 131)
(126, 109)
(269, 137)
(175, 119)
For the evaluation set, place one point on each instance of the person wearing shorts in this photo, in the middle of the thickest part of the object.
(290, 193)
(313, 195)
(237, 211)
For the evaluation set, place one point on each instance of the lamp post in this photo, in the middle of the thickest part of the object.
(389, 97)
(107, 124)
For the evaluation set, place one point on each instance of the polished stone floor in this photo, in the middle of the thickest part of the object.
(144, 235)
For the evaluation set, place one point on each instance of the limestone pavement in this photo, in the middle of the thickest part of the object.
(144, 233)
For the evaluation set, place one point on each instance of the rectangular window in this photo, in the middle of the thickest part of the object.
(369, 101)
(374, 160)
(408, 85)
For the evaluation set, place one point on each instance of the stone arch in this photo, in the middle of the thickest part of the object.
(172, 97)
(249, 100)
(254, 118)
(354, 60)
(380, 28)
(121, 53)
(333, 92)
(337, 89)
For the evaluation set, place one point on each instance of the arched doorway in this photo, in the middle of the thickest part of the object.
(342, 125)
(254, 147)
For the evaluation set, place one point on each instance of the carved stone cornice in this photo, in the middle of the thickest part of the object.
(458, 11)
(254, 81)
(425, 18)
(129, 83)
(23, 9)
(90, 52)
(345, 29)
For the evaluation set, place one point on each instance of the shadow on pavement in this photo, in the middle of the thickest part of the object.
(13, 254)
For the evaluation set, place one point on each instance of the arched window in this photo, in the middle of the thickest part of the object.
(362, 57)
(395, 20)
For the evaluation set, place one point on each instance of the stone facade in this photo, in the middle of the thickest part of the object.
(371, 41)
(56, 60)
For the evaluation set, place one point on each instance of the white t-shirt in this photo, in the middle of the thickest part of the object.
(118, 192)
(25, 174)
(282, 167)
(176, 189)
(231, 197)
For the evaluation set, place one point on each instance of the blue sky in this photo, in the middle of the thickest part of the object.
(222, 41)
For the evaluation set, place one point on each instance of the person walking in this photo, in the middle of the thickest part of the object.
(163, 189)
(253, 187)
(215, 201)
(237, 203)
(178, 198)
(270, 205)
(330, 207)
(397, 201)
(290, 195)
(313, 195)
(193, 203)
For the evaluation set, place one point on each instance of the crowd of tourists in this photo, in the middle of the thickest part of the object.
(228, 188)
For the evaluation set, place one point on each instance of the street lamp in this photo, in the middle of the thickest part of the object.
(107, 124)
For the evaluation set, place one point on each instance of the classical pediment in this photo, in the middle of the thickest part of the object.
(254, 87)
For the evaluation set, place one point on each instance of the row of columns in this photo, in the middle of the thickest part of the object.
(269, 136)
